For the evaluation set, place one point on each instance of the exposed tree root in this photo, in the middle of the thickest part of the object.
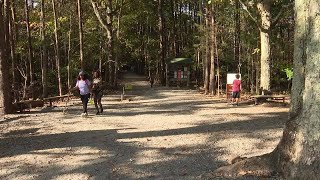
(260, 166)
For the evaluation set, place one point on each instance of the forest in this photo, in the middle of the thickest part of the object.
(160, 132)
(48, 42)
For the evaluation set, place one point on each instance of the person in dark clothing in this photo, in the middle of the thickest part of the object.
(97, 91)
(151, 80)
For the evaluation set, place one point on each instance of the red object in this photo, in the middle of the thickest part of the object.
(179, 74)
(229, 90)
(236, 85)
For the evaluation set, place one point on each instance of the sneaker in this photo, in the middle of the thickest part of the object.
(101, 111)
(97, 113)
(82, 114)
(85, 114)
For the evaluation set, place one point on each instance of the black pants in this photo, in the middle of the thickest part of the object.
(97, 96)
(85, 100)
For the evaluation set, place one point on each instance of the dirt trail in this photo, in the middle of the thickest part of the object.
(161, 134)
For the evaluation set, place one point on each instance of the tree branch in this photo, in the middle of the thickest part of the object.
(96, 12)
(244, 7)
(119, 6)
(283, 8)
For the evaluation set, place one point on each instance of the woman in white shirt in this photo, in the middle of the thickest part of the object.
(84, 87)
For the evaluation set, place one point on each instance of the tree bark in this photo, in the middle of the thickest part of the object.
(174, 28)
(207, 54)
(30, 57)
(298, 153)
(5, 96)
(212, 84)
(161, 61)
(69, 49)
(107, 25)
(57, 55)
(44, 63)
(264, 11)
(80, 34)
(237, 31)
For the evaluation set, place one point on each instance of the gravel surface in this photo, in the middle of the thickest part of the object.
(158, 133)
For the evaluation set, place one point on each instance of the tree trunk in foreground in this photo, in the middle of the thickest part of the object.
(5, 96)
(297, 156)
(298, 153)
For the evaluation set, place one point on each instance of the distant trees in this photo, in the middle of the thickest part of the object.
(47, 48)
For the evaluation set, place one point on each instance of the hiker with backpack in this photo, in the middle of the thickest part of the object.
(97, 91)
(84, 86)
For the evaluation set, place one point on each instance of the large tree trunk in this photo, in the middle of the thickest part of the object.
(264, 10)
(80, 34)
(297, 155)
(26, 6)
(57, 55)
(5, 96)
(44, 63)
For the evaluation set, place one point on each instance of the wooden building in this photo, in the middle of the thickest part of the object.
(178, 71)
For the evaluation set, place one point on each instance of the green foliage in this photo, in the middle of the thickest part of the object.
(289, 73)
(138, 41)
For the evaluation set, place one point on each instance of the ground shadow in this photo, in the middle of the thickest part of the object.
(118, 155)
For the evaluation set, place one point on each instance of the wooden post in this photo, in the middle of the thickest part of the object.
(122, 94)
(167, 76)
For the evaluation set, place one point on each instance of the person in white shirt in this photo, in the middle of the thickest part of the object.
(84, 86)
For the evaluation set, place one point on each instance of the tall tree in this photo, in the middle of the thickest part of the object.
(5, 96)
(237, 31)
(13, 38)
(206, 61)
(162, 45)
(30, 52)
(107, 25)
(57, 49)
(266, 22)
(80, 34)
(297, 155)
(44, 63)
(212, 84)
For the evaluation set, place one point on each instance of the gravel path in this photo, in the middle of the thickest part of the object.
(159, 133)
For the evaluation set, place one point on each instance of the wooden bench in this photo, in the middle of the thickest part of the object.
(54, 98)
(263, 98)
(28, 104)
